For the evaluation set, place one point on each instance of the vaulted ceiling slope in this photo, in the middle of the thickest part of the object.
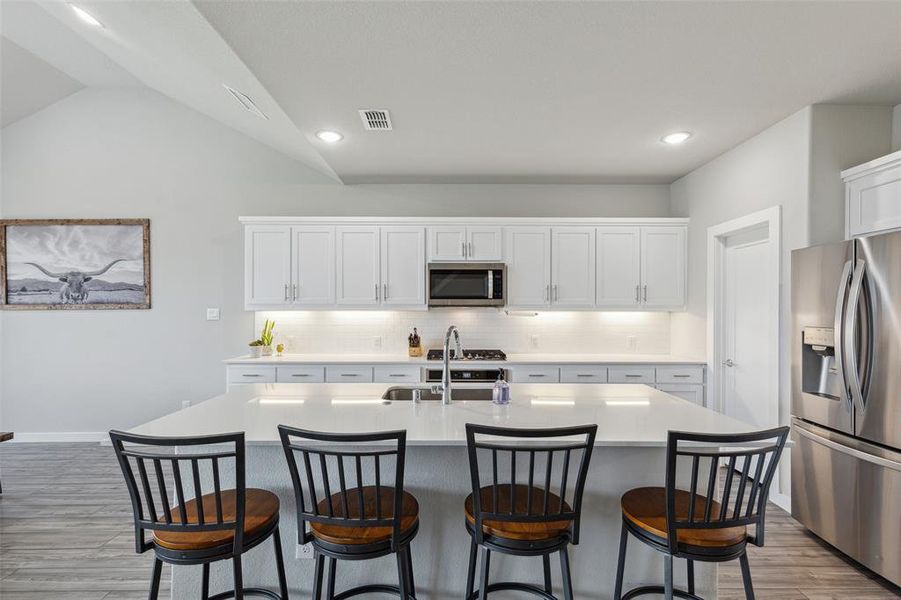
(28, 84)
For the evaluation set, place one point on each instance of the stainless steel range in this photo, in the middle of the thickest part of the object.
(471, 372)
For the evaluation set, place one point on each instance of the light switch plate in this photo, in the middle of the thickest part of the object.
(212, 314)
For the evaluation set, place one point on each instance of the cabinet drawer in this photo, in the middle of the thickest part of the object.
(348, 374)
(240, 374)
(692, 393)
(692, 374)
(586, 374)
(300, 374)
(401, 374)
(537, 374)
(630, 375)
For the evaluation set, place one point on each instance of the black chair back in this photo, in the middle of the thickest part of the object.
(552, 464)
(751, 457)
(340, 478)
(164, 476)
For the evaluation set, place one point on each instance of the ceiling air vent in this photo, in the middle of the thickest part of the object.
(245, 101)
(376, 119)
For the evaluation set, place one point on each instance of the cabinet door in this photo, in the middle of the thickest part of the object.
(573, 267)
(403, 266)
(528, 255)
(267, 264)
(874, 202)
(618, 267)
(314, 266)
(485, 244)
(692, 393)
(357, 266)
(663, 267)
(447, 244)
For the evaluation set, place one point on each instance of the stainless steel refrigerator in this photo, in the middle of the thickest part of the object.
(846, 397)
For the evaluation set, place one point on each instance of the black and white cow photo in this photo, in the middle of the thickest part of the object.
(77, 264)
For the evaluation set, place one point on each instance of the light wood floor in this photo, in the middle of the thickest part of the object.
(66, 534)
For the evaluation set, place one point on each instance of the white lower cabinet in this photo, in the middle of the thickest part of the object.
(245, 374)
(692, 393)
(583, 374)
(620, 374)
(398, 374)
(298, 374)
(348, 374)
(536, 374)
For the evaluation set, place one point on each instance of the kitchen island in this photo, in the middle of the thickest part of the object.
(633, 421)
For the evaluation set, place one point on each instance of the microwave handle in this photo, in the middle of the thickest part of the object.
(490, 284)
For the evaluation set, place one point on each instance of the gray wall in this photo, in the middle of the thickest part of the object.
(138, 154)
(896, 128)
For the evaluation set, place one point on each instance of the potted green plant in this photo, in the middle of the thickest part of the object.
(266, 337)
(255, 348)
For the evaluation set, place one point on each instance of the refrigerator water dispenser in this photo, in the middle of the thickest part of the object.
(818, 371)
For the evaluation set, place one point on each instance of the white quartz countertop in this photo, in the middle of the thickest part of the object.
(627, 415)
(512, 359)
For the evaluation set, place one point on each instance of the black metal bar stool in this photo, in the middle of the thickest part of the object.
(692, 524)
(223, 525)
(528, 518)
(368, 520)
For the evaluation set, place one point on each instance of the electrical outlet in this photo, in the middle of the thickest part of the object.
(185, 404)
(632, 342)
(377, 342)
(212, 314)
(533, 341)
(304, 551)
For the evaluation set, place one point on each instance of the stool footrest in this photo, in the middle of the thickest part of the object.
(248, 592)
(658, 590)
(515, 587)
(371, 589)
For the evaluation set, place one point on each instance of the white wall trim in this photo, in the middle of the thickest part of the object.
(548, 221)
(60, 436)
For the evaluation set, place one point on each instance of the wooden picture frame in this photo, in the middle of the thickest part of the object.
(66, 287)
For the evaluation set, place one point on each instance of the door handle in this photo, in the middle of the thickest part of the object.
(729, 362)
(849, 335)
(838, 325)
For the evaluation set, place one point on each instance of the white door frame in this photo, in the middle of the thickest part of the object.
(716, 246)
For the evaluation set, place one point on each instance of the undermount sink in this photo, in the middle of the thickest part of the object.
(427, 395)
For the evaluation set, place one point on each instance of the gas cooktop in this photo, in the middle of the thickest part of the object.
(438, 354)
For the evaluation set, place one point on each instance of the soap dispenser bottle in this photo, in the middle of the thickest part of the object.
(501, 392)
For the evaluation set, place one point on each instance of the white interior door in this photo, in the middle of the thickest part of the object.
(663, 267)
(618, 267)
(447, 244)
(528, 255)
(484, 243)
(572, 267)
(357, 258)
(745, 382)
(314, 266)
(267, 268)
(403, 266)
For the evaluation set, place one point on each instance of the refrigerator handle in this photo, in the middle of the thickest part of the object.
(838, 329)
(845, 449)
(849, 336)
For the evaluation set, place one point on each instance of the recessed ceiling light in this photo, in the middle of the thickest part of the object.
(674, 139)
(329, 136)
(86, 16)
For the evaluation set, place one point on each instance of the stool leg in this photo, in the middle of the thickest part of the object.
(567, 577)
(621, 563)
(746, 576)
(547, 573)
(486, 565)
(317, 576)
(280, 565)
(402, 583)
(155, 578)
(668, 576)
(332, 568)
(410, 577)
(471, 572)
(691, 577)
(239, 578)
(205, 582)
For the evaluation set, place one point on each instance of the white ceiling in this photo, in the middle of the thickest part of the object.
(28, 84)
(489, 91)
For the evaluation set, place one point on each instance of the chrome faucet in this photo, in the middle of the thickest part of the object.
(445, 387)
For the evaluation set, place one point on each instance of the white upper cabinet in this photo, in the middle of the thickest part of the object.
(447, 244)
(484, 244)
(619, 267)
(573, 267)
(663, 267)
(478, 243)
(528, 256)
(357, 266)
(873, 196)
(314, 265)
(403, 266)
(267, 265)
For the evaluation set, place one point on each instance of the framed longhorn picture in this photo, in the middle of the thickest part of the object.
(65, 264)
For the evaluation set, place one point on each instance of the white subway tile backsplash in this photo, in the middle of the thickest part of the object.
(557, 332)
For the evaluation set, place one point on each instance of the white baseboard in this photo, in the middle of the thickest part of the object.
(783, 501)
(61, 436)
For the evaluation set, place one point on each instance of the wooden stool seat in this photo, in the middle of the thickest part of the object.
(372, 509)
(646, 508)
(518, 530)
(260, 512)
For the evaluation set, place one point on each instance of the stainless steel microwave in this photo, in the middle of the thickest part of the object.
(467, 284)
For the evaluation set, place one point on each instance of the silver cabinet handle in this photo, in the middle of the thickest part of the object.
(547, 293)
(396, 375)
(376, 292)
(729, 362)
(463, 249)
(584, 375)
(251, 375)
(295, 292)
(350, 374)
(680, 375)
(469, 250)
(637, 294)
(645, 293)
(632, 375)
(556, 292)
(286, 292)
(384, 291)
(536, 375)
(300, 374)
